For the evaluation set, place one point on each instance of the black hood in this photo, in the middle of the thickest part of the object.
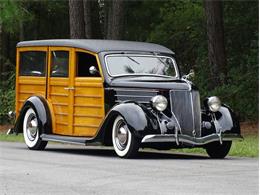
(148, 83)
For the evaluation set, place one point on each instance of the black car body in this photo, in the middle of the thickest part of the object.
(147, 106)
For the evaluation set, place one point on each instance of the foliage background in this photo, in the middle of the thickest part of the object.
(179, 25)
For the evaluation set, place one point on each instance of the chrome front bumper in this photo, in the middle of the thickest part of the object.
(191, 140)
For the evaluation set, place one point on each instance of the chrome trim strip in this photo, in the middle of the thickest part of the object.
(192, 110)
(190, 140)
(135, 90)
(145, 96)
(197, 114)
(141, 102)
(177, 123)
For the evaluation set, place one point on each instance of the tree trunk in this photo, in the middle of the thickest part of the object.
(76, 12)
(21, 31)
(96, 22)
(92, 19)
(5, 57)
(216, 44)
(87, 18)
(107, 19)
(115, 19)
(1, 54)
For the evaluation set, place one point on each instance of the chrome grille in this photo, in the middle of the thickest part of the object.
(186, 107)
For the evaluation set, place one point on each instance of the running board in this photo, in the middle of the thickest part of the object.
(66, 139)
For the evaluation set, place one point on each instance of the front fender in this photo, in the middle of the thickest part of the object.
(40, 105)
(133, 115)
(227, 120)
(140, 121)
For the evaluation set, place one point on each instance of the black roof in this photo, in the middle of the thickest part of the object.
(97, 46)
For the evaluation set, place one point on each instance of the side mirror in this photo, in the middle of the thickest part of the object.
(190, 75)
(93, 70)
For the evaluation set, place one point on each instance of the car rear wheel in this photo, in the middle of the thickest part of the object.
(125, 144)
(31, 131)
(217, 150)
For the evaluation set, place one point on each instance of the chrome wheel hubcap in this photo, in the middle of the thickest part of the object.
(32, 126)
(121, 135)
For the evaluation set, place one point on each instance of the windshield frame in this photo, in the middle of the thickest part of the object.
(142, 74)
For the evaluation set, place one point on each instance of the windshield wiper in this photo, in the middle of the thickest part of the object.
(133, 60)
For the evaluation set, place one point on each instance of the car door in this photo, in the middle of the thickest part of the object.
(89, 108)
(60, 89)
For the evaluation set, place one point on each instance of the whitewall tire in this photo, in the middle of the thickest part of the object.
(31, 131)
(125, 143)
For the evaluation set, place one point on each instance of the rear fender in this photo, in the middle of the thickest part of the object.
(40, 105)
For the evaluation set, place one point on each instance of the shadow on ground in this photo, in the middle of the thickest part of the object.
(109, 153)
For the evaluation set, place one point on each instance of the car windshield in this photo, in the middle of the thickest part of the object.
(145, 65)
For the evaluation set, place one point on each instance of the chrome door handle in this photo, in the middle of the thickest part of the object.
(69, 88)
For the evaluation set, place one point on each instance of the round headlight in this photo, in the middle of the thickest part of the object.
(214, 103)
(159, 102)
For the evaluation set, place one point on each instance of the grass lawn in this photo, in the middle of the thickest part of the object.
(11, 138)
(249, 147)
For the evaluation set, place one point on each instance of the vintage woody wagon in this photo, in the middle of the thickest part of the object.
(119, 93)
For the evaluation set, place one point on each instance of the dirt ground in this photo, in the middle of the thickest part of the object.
(246, 128)
(4, 128)
(249, 128)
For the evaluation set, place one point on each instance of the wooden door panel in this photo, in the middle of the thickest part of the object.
(60, 102)
(88, 106)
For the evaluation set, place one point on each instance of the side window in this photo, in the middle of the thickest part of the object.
(84, 62)
(32, 63)
(59, 63)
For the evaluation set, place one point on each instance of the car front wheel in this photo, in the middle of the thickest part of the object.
(31, 131)
(217, 150)
(125, 144)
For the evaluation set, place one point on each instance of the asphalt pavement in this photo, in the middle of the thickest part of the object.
(68, 169)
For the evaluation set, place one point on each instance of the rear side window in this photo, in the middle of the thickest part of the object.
(59, 63)
(32, 63)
